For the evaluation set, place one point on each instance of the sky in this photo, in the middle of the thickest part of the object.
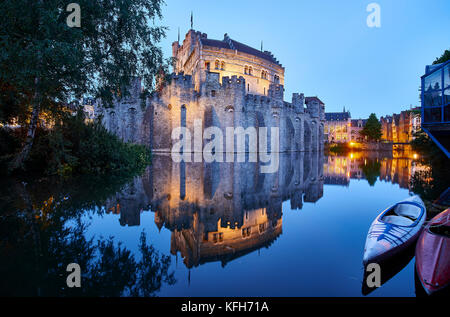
(327, 48)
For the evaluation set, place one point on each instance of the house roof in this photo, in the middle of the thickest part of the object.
(355, 122)
(228, 43)
(337, 116)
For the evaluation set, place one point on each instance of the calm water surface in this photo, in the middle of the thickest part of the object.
(220, 229)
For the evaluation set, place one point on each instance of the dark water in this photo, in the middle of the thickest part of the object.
(197, 229)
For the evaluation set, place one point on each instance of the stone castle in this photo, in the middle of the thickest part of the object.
(224, 83)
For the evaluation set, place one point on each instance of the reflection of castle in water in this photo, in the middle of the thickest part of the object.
(220, 211)
(338, 170)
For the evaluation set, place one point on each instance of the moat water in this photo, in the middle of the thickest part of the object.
(219, 229)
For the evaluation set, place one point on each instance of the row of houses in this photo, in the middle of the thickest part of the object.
(400, 128)
(396, 128)
(341, 128)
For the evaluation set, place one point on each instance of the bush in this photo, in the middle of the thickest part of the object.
(76, 147)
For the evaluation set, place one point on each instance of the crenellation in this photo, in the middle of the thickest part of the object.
(224, 96)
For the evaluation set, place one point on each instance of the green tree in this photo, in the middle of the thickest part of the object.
(444, 57)
(45, 63)
(372, 129)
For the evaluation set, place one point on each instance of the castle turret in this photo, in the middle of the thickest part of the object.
(314, 106)
(276, 91)
(298, 102)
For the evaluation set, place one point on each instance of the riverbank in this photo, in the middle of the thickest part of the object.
(72, 147)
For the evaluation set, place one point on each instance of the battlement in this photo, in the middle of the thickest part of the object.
(233, 82)
(273, 57)
(298, 101)
(182, 80)
(276, 91)
(257, 99)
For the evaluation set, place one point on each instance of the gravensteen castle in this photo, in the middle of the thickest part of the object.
(223, 83)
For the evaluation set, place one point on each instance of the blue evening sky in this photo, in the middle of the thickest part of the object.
(327, 48)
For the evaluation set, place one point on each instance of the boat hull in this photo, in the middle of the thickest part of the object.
(433, 256)
(384, 240)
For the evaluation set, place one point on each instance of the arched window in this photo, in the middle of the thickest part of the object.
(245, 69)
(217, 64)
(222, 66)
(276, 79)
(263, 74)
(250, 70)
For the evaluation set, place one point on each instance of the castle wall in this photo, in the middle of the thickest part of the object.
(217, 100)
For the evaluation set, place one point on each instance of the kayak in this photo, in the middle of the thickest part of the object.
(433, 254)
(394, 229)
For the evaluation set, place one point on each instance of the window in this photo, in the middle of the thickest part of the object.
(276, 79)
(250, 70)
(218, 237)
(263, 74)
(246, 70)
(246, 232)
(447, 96)
(447, 76)
(207, 65)
(222, 65)
(433, 81)
(213, 93)
(432, 98)
(217, 64)
(262, 227)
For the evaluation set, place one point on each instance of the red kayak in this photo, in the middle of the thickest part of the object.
(433, 253)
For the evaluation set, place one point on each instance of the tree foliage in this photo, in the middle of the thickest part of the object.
(443, 58)
(45, 63)
(372, 129)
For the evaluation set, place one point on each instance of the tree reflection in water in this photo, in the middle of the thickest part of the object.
(40, 237)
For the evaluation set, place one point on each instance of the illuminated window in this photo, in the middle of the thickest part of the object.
(250, 70)
(246, 232)
(262, 227)
(207, 65)
(217, 64)
(217, 237)
(246, 70)
(222, 65)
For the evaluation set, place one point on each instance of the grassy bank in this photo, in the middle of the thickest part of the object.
(337, 148)
(73, 147)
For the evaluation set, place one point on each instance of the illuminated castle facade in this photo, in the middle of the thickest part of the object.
(224, 83)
